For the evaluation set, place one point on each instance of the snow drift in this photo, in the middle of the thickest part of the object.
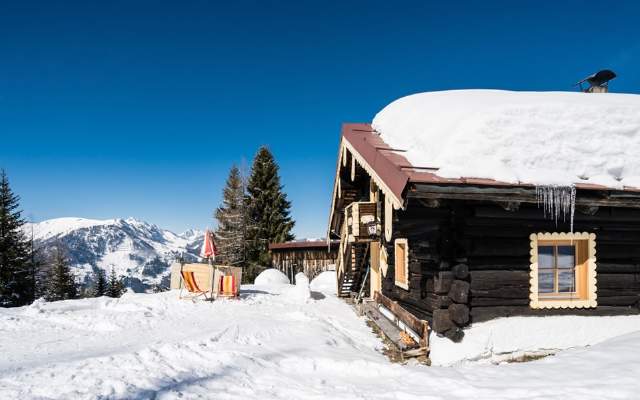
(271, 276)
(508, 338)
(542, 138)
(300, 292)
(145, 346)
(325, 282)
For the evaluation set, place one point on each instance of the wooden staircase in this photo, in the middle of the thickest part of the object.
(351, 268)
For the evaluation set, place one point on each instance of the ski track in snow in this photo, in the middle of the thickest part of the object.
(267, 346)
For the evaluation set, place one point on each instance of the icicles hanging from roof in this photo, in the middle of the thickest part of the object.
(557, 200)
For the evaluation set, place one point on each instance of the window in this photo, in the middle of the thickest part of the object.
(563, 270)
(557, 269)
(401, 256)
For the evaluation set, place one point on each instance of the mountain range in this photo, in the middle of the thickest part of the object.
(137, 250)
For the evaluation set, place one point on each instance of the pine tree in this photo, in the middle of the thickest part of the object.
(99, 283)
(115, 287)
(268, 208)
(232, 219)
(15, 285)
(35, 277)
(61, 284)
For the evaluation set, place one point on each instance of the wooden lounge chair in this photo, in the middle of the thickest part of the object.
(198, 282)
(228, 286)
(227, 281)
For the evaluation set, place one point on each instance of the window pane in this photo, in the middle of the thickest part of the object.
(566, 281)
(566, 256)
(545, 256)
(545, 281)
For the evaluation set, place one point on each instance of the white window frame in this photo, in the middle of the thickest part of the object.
(538, 301)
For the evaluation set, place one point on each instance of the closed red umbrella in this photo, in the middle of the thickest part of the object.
(209, 246)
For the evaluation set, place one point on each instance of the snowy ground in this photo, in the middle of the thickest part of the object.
(268, 345)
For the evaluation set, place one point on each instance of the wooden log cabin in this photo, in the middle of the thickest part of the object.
(453, 252)
(308, 256)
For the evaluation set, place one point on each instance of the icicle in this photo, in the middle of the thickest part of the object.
(557, 200)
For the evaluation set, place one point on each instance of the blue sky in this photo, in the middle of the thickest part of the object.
(139, 108)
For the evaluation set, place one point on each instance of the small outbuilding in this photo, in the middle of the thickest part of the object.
(308, 256)
(462, 206)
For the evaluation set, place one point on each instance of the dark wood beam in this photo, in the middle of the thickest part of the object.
(604, 198)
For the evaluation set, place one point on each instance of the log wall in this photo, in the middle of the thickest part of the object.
(469, 260)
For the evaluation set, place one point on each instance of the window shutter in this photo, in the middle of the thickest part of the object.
(582, 268)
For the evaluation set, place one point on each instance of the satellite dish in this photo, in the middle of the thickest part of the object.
(598, 82)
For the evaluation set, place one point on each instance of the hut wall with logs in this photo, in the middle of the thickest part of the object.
(474, 250)
(470, 261)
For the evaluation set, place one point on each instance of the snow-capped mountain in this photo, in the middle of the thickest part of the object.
(140, 251)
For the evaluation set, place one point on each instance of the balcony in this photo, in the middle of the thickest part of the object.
(363, 222)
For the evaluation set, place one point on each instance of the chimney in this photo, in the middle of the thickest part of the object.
(598, 82)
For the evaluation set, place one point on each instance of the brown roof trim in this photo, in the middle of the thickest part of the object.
(381, 157)
(311, 244)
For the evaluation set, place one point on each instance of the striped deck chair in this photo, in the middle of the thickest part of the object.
(190, 283)
(228, 286)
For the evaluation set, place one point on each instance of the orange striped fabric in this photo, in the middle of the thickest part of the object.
(190, 281)
(228, 285)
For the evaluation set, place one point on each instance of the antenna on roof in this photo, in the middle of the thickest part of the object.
(598, 82)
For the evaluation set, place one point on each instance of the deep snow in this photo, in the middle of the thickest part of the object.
(542, 138)
(269, 346)
(325, 282)
(271, 276)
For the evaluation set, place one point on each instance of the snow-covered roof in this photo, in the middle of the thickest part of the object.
(544, 138)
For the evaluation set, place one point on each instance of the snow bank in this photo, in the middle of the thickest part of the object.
(300, 292)
(264, 346)
(325, 282)
(506, 338)
(545, 138)
(271, 276)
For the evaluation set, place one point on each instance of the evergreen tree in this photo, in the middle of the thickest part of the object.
(16, 289)
(100, 285)
(115, 287)
(268, 208)
(36, 274)
(232, 219)
(61, 284)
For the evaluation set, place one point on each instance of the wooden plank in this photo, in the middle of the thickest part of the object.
(388, 328)
(602, 197)
(405, 316)
(522, 198)
(618, 281)
(481, 314)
